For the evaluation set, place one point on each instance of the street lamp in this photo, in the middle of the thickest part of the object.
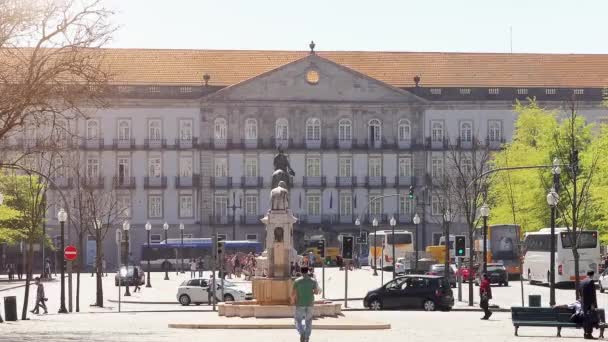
(447, 217)
(358, 225)
(126, 226)
(375, 224)
(181, 251)
(166, 229)
(416, 221)
(148, 229)
(485, 212)
(552, 200)
(62, 216)
(393, 223)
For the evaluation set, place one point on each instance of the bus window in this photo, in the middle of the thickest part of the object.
(399, 239)
(586, 240)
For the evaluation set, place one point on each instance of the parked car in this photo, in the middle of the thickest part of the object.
(438, 270)
(497, 273)
(197, 291)
(603, 281)
(400, 266)
(427, 292)
(125, 275)
(466, 273)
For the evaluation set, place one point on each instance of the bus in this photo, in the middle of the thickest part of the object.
(536, 255)
(502, 247)
(166, 256)
(381, 247)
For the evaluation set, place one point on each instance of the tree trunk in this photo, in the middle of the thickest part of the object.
(577, 278)
(28, 278)
(98, 256)
(80, 265)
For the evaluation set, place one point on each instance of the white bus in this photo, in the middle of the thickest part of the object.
(537, 248)
(382, 247)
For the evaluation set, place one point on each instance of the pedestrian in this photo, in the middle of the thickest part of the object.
(19, 270)
(200, 265)
(589, 303)
(104, 270)
(11, 271)
(136, 279)
(485, 294)
(192, 268)
(47, 268)
(40, 298)
(303, 297)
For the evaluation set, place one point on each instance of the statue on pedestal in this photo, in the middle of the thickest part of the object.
(279, 197)
(282, 170)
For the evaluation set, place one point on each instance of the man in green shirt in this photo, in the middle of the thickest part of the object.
(303, 296)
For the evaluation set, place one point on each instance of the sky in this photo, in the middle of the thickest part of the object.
(538, 26)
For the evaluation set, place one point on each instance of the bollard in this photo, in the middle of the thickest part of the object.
(10, 308)
(534, 301)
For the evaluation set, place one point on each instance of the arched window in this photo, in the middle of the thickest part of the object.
(282, 129)
(405, 130)
(495, 131)
(251, 129)
(313, 129)
(375, 130)
(220, 129)
(124, 130)
(345, 130)
(437, 131)
(92, 129)
(466, 131)
(154, 132)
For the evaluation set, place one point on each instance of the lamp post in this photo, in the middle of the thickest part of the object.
(393, 223)
(148, 229)
(447, 217)
(552, 200)
(485, 212)
(62, 216)
(166, 229)
(375, 225)
(126, 226)
(234, 207)
(181, 250)
(358, 225)
(416, 221)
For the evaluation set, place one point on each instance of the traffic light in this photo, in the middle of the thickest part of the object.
(460, 245)
(347, 247)
(410, 194)
(321, 248)
(220, 245)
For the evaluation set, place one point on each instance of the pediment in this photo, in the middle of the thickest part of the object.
(314, 78)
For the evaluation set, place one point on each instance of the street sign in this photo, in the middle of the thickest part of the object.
(70, 253)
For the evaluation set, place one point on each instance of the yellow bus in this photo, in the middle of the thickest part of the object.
(381, 247)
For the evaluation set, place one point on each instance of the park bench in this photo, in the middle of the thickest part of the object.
(547, 317)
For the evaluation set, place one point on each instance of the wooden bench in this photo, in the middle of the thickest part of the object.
(547, 317)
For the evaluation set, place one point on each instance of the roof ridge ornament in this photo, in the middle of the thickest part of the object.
(312, 47)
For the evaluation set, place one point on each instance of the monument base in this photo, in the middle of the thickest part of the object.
(254, 309)
(269, 291)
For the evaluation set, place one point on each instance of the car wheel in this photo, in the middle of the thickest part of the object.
(228, 298)
(506, 283)
(197, 304)
(428, 305)
(375, 304)
(601, 287)
(184, 300)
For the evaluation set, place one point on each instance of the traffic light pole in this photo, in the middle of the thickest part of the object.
(459, 262)
(345, 284)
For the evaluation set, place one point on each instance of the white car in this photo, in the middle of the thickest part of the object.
(197, 291)
(400, 266)
(603, 281)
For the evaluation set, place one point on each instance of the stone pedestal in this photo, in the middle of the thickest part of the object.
(268, 291)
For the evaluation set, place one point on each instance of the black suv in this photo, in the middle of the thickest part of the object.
(426, 292)
(497, 273)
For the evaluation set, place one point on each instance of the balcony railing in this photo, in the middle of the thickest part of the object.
(220, 219)
(439, 144)
(375, 181)
(404, 218)
(187, 181)
(252, 182)
(465, 144)
(313, 143)
(405, 181)
(221, 182)
(494, 144)
(382, 218)
(61, 183)
(314, 182)
(29, 143)
(124, 144)
(155, 143)
(93, 182)
(404, 143)
(221, 144)
(124, 182)
(311, 219)
(346, 144)
(346, 219)
(155, 182)
(251, 143)
(346, 182)
(185, 144)
(375, 143)
(92, 144)
(251, 219)
(278, 142)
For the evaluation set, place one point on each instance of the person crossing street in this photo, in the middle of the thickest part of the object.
(40, 298)
(303, 297)
(485, 294)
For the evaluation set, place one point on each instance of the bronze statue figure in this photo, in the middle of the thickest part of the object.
(282, 170)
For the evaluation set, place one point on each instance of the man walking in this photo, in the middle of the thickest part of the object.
(485, 294)
(589, 303)
(136, 279)
(303, 296)
(40, 298)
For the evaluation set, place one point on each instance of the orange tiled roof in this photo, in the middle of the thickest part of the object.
(227, 67)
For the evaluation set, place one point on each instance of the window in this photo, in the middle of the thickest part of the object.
(436, 205)
(550, 91)
(251, 167)
(92, 129)
(125, 89)
(185, 129)
(154, 167)
(220, 207)
(185, 90)
(92, 168)
(495, 130)
(155, 206)
(314, 204)
(221, 167)
(466, 164)
(185, 166)
(405, 130)
(405, 167)
(313, 129)
(345, 130)
(251, 205)
(251, 129)
(185, 206)
(375, 130)
(155, 238)
(59, 167)
(153, 89)
(154, 130)
(124, 169)
(522, 91)
(220, 128)
(222, 236)
(579, 91)
(123, 204)
(251, 237)
(124, 129)
(346, 204)
(436, 130)
(61, 130)
(375, 207)
(405, 205)
(375, 167)
(313, 167)
(465, 91)
(345, 167)
(435, 91)
(437, 167)
(466, 131)
(282, 129)
(493, 91)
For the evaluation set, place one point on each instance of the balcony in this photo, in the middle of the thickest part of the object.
(346, 219)
(375, 181)
(344, 144)
(404, 218)
(221, 182)
(221, 144)
(382, 218)
(495, 144)
(346, 182)
(61, 183)
(314, 182)
(405, 181)
(155, 182)
(28, 143)
(279, 142)
(124, 144)
(124, 182)
(251, 219)
(185, 144)
(220, 219)
(437, 144)
(404, 144)
(313, 143)
(311, 219)
(155, 144)
(93, 182)
(465, 144)
(183, 182)
(252, 182)
(251, 143)
(92, 144)
(375, 143)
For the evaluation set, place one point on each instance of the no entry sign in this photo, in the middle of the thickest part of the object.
(70, 253)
